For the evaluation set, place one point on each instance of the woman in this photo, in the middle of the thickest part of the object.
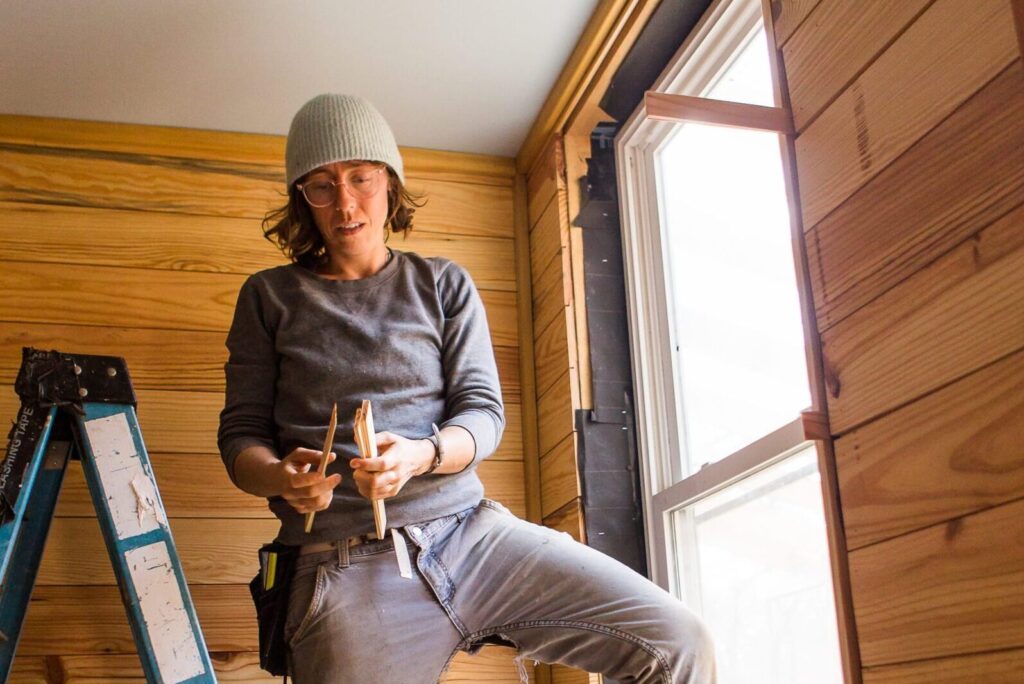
(351, 319)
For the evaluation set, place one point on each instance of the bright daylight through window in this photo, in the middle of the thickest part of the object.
(733, 495)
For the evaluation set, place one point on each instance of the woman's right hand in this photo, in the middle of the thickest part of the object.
(303, 487)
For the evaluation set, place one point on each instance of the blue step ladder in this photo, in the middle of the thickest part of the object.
(83, 406)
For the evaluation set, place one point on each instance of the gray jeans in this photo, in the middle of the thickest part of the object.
(485, 576)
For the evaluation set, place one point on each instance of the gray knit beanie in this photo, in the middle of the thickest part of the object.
(332, 128)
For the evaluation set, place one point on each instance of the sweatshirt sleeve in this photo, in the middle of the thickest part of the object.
(471, 375)
(250, 380)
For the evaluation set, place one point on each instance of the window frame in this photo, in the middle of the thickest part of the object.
(725, 26)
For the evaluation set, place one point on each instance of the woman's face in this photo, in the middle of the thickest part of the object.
(351, 224)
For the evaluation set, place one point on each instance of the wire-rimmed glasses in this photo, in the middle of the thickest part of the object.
(362, 181)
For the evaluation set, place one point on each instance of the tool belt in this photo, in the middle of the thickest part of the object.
(269, 591)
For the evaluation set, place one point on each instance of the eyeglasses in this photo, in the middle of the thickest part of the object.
(361, 181)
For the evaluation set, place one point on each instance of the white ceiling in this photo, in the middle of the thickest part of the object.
(463, 75)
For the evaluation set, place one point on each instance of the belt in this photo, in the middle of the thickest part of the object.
(320, 547)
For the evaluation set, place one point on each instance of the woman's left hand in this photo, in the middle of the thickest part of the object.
(398, 460)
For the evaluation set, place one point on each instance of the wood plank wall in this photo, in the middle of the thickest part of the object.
(555, 354)
(133, 241)
(910, 156)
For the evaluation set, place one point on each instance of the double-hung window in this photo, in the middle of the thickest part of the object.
(733, 497)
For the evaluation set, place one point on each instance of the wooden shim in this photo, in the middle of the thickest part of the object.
(960, 313)
(956, 180)
(145, 298)
(815, 424)
(568, 518)
(555, 415)
(559, 477)
(1001, 667)
(245, 148)
(950, 453)
(950, 589)
(552, 354)
(900, 98)
(835, 44)
(79, 179)
(689, 109)
(494, 664)
(177, 474)
(177, 242)
(788, 15)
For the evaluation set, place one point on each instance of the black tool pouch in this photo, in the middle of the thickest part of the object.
(269, 591)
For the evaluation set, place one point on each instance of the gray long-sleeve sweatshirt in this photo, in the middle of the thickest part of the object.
(412, 338)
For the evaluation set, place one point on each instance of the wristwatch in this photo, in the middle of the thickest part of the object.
(435, 439)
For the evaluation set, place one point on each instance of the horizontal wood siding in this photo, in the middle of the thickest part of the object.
(910, 159)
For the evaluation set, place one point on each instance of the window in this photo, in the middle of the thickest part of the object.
(736, 524)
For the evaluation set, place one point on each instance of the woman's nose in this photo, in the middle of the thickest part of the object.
(345, 199)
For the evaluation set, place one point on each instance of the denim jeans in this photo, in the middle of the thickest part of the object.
(485, 576)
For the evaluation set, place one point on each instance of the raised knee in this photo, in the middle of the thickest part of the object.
(690, 647)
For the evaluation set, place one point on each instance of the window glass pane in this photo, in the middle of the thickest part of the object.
(754, 562)
(748, 78)
(740, 364)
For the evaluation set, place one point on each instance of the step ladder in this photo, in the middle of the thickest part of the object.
(83, 406)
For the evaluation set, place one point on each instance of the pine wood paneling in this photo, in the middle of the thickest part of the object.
(492, 664)
(956, 180)
(93, 620)
(124, 181)
(86, 235)
(148, 298)
(569, 518)
(963, 311)
(898, 99)
(244, 148)
(554, 416)
(953, 452)
(552, 353)
(550, 295)
(1001, 667)
(839, 40)
(544, 189)
(561, 482)
(212, 551)
(788, 15)
(75, 235)
(177, 475)
(196, 364)
(957, 587)
(548, 237)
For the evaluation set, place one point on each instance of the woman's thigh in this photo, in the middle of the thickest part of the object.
(561, 601)
(365, 623)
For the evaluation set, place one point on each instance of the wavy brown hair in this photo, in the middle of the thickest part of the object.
(294, 231)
